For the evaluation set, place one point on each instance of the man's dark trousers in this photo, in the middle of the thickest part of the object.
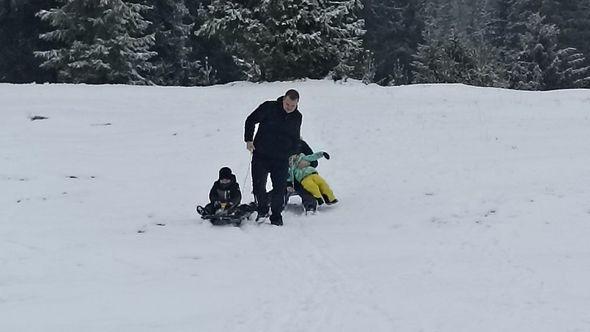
(279, 172)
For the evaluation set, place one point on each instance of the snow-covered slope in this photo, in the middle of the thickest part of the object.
(462, 209)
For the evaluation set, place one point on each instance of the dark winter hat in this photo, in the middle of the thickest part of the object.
(225, 173)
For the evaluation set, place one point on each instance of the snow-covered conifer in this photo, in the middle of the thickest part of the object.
(100, 41)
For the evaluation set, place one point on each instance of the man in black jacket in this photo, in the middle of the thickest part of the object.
(277, 137)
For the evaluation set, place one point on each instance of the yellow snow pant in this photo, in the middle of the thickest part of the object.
(317, 186)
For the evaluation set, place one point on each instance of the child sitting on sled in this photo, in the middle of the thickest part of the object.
(224, 198)
(309, 177)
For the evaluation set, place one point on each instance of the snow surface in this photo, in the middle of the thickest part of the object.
(462, 209)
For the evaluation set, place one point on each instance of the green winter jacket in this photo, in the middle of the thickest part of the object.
(300, 173)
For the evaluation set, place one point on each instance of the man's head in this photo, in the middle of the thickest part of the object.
(290, 101)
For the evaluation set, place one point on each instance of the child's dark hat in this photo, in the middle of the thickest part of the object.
(225, 173)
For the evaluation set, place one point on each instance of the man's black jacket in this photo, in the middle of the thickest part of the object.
(278, 131)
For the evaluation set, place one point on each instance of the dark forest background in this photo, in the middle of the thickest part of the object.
(518, 44)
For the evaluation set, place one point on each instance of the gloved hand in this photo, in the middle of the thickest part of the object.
(326, 155)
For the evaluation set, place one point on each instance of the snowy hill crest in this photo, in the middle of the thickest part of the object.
(462, 209)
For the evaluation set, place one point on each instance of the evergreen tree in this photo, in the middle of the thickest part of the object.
(572, 17)
(234, 26)
(531, 68)
(426, 63)
(444, 61)
(568, 70)
(577, 30)
(216, 65)
(458, 45)
(536, 48)
(99, 42)
(393, 32)
(489, 69)
(430, 61)
(345, 30)
(288, 39)
(175, 63)
(19, 31)
(168, 19)
(498, 24)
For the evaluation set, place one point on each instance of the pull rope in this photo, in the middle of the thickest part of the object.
(246, 176)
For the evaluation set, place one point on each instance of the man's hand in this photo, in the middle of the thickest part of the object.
(290, 189)
(250, 146)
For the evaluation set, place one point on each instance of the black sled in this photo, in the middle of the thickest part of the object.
(233, 217)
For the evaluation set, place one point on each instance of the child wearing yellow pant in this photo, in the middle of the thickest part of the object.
(309, 177)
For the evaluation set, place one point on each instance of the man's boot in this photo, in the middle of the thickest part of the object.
(276, 219)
